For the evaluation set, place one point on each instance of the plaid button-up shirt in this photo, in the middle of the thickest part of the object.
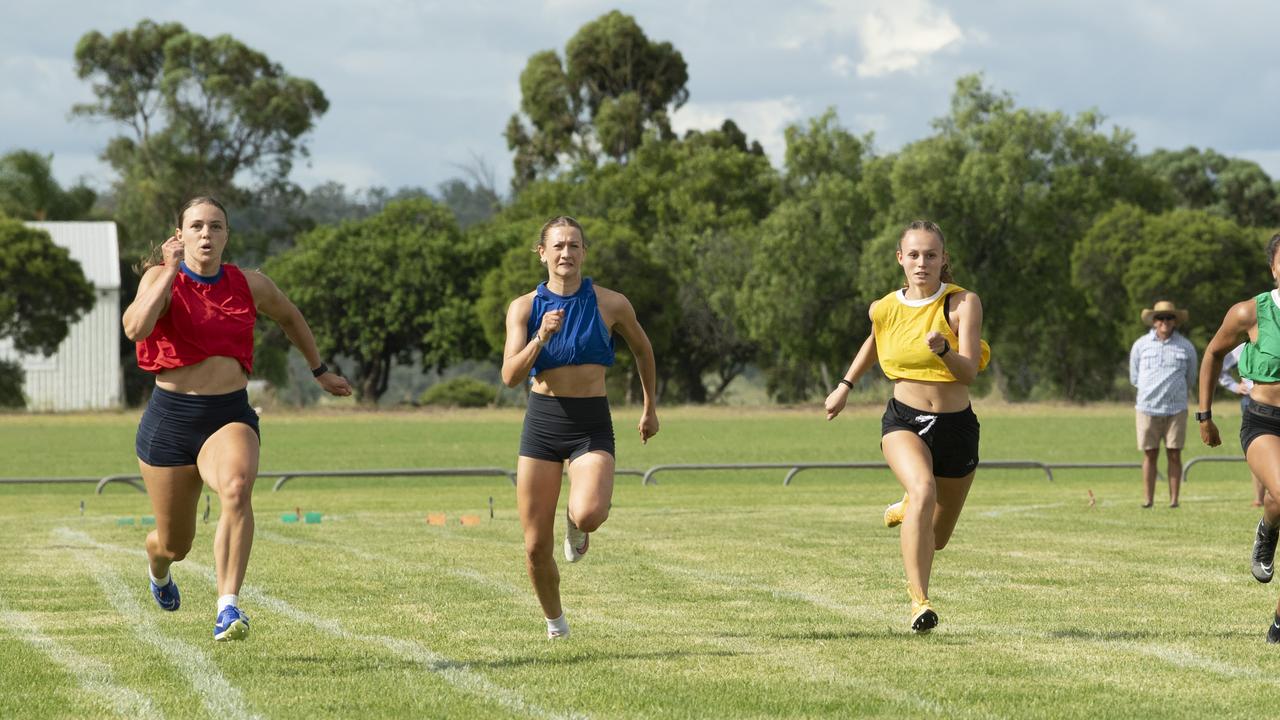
(1163, 371)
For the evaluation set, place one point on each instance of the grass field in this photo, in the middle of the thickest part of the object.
(707, 595)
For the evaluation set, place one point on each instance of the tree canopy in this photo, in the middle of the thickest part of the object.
(396, 287)
(613, 86)
(199, 113)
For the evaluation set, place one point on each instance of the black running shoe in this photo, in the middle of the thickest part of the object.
(1273, 632)
(1264, 552)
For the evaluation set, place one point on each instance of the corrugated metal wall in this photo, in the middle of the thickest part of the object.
(84, 374)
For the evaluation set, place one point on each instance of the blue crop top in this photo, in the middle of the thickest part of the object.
(583, 339)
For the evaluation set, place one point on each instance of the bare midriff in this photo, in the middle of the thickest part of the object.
(570, 381)
(941, 397)
(217, 375)
(1266, 393)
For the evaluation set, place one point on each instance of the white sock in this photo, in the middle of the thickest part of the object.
(226, 600)
(160, 582)
(559, 625)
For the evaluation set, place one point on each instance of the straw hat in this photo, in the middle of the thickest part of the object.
(1164, 307)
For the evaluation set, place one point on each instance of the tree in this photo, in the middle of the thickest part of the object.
(398, 285)
(1230, 187)
(201, 113)
(42, 293)
(1130, 259)
(29, 191)
(799, 301)
(613, 87)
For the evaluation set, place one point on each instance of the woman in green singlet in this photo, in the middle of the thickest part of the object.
(1258, 319)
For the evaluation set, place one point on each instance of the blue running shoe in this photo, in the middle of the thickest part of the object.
(231, 625)
(167, 597)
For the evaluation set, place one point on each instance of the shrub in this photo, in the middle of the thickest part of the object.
(459, 392)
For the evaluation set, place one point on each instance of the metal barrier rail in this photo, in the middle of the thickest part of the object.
(284, 477)
(1186, 467)
(647, 476)
(67, 480)
(796, 467)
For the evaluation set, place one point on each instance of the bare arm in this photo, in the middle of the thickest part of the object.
(1241, 318)
(628, 326)
(154, 290)
(862, 362)
(963, 361)
(273, 303)
(520, 351)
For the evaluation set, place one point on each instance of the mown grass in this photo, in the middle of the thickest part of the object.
(718, 594)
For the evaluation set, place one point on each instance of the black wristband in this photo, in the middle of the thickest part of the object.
(317, 372)
(946, 348)
(846, 383)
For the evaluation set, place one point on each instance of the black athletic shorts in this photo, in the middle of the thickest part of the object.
(564, 428)
(175, 426)
(952, 438)
(1257, 420)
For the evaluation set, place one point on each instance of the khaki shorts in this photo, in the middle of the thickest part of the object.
(1154, 428)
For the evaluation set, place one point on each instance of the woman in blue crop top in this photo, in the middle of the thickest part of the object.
(560, 337)
(929, 433)
(1258, 319)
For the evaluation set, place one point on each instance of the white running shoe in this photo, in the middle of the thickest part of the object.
(576, 542)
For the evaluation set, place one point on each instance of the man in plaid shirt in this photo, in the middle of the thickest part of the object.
(1162, 365)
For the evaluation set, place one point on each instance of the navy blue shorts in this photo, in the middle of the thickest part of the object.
(174, 426)
(952, 438)
(565, 428)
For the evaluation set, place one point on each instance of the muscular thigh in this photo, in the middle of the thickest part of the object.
(538, 490)
(1263, 457)
(908, 457)
(231, 452)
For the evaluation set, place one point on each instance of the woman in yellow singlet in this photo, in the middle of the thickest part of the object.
(925, 337)
(1257, 318)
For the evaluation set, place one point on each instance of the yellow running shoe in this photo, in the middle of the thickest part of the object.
(894, 513)
(923, 618)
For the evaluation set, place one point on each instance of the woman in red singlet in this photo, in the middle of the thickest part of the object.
(192, 320)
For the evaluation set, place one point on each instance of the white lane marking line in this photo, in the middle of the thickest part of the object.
(453, 672)
(93, 675)
(219, 697)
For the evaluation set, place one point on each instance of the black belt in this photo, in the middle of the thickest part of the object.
(1263, 409)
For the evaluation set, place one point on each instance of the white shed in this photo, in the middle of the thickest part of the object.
(84, 374)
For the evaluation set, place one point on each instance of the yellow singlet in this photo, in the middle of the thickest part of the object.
(900, 326)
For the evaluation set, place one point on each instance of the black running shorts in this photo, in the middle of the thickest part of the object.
(564, 428)
(175, 426)
(952, 438)
(1258, 419)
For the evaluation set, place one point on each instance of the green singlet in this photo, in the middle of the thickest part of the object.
(1260, 360)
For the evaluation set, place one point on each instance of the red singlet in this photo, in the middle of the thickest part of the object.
(206, 317)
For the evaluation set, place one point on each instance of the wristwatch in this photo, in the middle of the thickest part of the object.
(1202, 416)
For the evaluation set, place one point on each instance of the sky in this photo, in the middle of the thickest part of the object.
(420, 90)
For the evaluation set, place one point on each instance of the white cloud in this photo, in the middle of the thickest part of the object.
(893, 35)
(764, 120)
(899, 36)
